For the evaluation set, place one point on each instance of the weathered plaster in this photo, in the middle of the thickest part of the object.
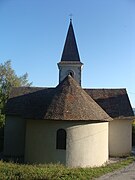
(87, 144)
(120, 137)
(14, 136)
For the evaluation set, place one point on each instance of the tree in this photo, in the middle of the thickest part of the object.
(9, 79)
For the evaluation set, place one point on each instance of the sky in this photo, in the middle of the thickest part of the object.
(33, 32)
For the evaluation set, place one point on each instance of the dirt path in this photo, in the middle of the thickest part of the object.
(127, 173)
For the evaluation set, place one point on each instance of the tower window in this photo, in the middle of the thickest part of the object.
(61, 139)
(71, 73)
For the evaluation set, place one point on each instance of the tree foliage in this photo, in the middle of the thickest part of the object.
(9, 79)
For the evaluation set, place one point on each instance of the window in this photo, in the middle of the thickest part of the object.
(61, 139)
(71, 73)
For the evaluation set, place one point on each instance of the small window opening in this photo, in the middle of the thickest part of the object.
(71, 73)
(61, 139)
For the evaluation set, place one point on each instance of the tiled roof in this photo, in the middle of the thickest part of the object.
(114, 101)
(29, 102)
(68, 101)
(71, 102)
(70, 51)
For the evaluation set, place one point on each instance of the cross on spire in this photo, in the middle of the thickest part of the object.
(71, 16)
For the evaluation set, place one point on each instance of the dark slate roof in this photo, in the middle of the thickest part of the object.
(114, 101)
(29, 102)
(38, 103)
(70, 51)
(68, 101)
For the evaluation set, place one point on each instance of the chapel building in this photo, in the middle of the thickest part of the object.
(68, 124)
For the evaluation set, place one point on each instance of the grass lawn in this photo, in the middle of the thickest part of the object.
(56, 171)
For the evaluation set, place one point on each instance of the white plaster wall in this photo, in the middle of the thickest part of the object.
(41, 141)
(65, 71)
(14, 136)
(65, 68)
(87, 144)
(120, 137)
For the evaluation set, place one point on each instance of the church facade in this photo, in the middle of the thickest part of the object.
(68, 124)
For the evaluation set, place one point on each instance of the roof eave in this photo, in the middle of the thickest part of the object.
(124, 118)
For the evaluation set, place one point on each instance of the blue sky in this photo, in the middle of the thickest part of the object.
(33, 32)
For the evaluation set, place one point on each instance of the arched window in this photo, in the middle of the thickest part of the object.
(71, 73)
(61, 139)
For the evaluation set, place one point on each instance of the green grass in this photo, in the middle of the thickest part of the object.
(12, 171)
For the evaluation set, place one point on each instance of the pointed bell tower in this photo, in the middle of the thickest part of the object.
(70, 61)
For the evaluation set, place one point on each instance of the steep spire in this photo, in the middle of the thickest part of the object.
(70, 63)
(70, 51)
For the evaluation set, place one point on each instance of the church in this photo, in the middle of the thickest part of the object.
(68, 124)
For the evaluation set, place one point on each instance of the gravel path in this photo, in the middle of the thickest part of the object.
(127, 173)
